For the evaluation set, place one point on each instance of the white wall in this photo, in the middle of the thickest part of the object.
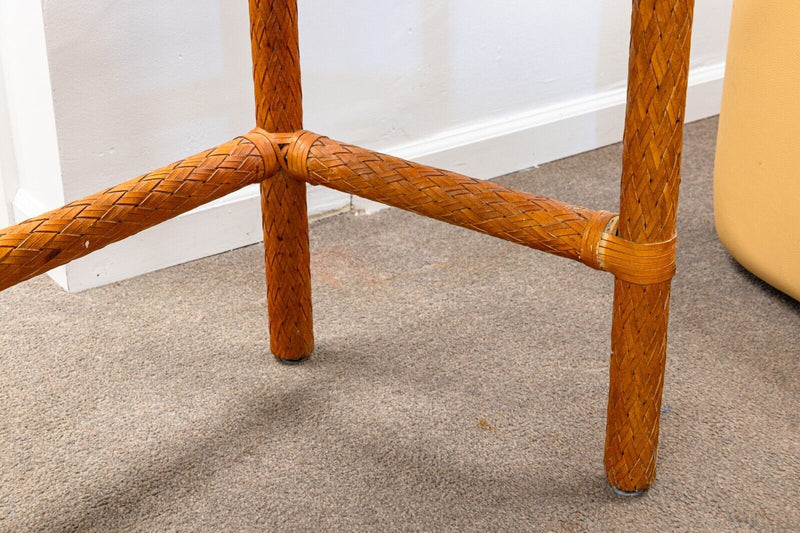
(8, 174)
(29, 159)
(414, 69)
(482, 88)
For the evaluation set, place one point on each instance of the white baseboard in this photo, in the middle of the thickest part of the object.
(492, 148)
(482, 150)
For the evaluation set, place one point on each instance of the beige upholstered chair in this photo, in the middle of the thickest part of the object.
(757, 176)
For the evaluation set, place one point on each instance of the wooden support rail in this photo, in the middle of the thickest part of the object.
(57, 237)
(531, 220)
(528, 219)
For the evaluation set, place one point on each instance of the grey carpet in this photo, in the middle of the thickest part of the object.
(459, 383)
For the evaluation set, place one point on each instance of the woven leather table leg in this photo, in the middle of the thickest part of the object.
(276, 73)
(658, 73)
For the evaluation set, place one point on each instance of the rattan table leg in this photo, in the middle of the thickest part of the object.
(658, 73)
(276, 73)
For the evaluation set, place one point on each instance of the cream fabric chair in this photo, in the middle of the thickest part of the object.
(757, 175)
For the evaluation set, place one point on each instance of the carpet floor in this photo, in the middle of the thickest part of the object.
(459, 383)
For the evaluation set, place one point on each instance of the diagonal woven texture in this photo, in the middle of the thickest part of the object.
(81, 227)
(276, 64)
(528, 219)
(276, 74)
(658, 73)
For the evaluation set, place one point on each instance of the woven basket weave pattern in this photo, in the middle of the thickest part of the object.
(658, 75)
(81, 227)
(535, 221)
(276, 75)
